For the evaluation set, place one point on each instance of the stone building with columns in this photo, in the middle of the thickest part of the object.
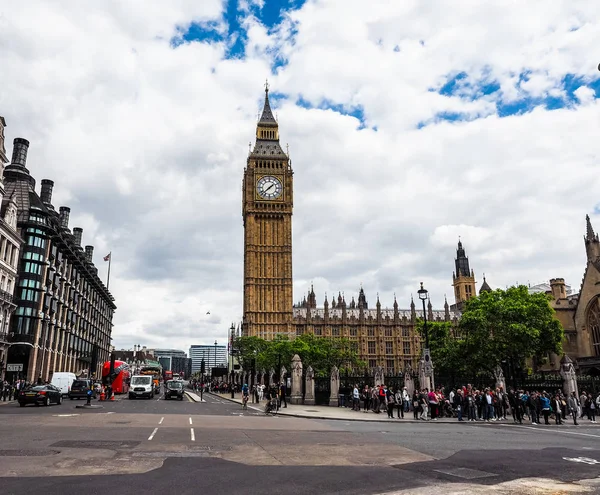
(63, 315)
(10, 244)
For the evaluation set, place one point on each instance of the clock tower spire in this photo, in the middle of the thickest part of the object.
(267, 203)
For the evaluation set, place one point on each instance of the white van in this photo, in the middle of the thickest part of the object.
(63, 380)
(141, 386)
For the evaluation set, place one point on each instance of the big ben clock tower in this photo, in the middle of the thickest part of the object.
(267, 203)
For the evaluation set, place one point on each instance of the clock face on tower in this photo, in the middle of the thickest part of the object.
(269, 187)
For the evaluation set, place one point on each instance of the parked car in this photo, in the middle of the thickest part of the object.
(63, 380)
(174, 389)
(80, 388)
(40, 395)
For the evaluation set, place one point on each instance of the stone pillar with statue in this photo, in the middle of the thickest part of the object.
(296, 392)
(309, 387)
(567, 372)
(334, 390)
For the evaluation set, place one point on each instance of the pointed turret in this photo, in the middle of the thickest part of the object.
(592, 245)
(267, 133)
(353, 303)
(446, 309)
(463, 278)
(362, 299)
(326, 307)
(312, 298)
(590, 235)
(429, 310)
(413, 312)
(485, 286)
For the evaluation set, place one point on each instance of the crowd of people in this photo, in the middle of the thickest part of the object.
(9, 391)
(470, 404)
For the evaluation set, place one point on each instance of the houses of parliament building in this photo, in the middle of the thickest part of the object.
(385, 337)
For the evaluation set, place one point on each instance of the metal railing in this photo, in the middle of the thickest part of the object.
(6, 296)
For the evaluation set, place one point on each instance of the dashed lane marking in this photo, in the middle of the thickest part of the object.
(153, 433)
(192, 434)
(161, 420)
(190, 420)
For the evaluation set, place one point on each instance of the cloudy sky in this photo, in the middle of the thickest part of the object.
(409, 124)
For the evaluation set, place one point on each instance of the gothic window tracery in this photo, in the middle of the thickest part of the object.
(593, 323)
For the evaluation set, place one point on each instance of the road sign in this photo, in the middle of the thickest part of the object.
(14, 367)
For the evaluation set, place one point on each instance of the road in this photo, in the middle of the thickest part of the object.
(154, 446)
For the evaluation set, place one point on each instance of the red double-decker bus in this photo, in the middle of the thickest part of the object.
(121, 376)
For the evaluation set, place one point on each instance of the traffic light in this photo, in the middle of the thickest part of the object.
(202, 367)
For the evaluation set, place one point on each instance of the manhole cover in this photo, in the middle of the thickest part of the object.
(27, 453)
(465, 473)
(95, 444)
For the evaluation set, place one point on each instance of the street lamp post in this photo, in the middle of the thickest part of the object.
(426, 368)
(215, 358)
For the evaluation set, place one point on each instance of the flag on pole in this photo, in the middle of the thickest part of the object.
(107, 257)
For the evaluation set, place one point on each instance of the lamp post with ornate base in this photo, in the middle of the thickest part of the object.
(425, 365)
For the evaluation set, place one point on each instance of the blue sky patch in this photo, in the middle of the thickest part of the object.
(230, 30)
(356, 111)
(461, 85)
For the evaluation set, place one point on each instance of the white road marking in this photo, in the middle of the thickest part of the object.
(542, 430)
(153, 433)
(585, 460)
(161, 420)
(193, 436)
(190, 420)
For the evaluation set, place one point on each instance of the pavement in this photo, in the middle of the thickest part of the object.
(151, 446)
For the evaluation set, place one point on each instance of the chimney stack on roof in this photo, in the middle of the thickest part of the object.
(89, 253)
(64, 212)
(20, 147)
(46, 193)
(78, 234)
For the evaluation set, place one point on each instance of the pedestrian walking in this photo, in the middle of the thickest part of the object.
(573, 406)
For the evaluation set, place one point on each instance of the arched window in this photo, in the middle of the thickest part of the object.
(593, 323)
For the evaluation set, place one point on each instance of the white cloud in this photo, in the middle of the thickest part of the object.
(147, 144)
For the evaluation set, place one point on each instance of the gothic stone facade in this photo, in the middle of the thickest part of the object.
(385, 337)
(579, 314)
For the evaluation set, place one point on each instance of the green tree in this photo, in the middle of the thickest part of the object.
(247, 349)
(322, 353)
(509, 325)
